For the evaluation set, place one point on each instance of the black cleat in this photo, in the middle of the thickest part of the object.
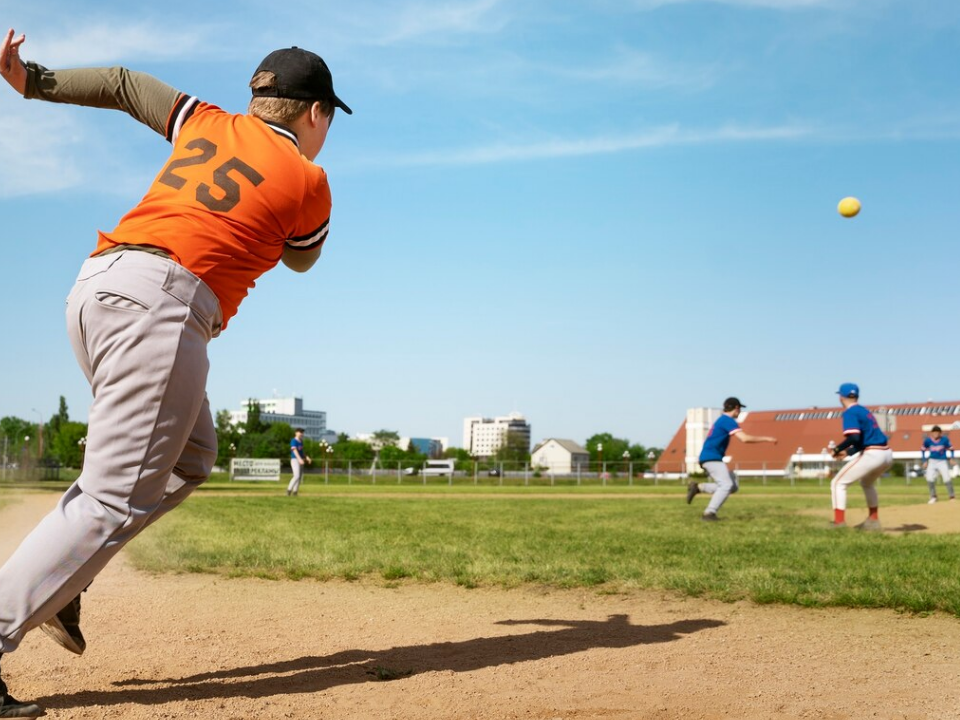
(10, 707)
(693, 489)
(710, 517)
(64, 628)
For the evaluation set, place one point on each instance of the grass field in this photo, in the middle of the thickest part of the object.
(768, 549)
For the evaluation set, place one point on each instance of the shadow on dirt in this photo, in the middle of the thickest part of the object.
(312, 674)
(909, 527)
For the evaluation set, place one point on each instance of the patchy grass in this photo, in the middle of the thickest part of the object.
(766, 550)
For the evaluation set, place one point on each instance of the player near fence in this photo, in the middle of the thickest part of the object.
(298, 458)
(935, 453)
(725, 482)
(872, 457)
(239, 194)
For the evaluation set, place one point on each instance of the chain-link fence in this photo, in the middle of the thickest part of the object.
(29, 470)
(491, 473)
(603, 474)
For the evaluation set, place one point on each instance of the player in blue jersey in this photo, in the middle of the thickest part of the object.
(863, 438)
(711, 458)
(936, 448)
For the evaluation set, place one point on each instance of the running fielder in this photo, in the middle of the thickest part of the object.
(724, 483)
(239, 194)
(936, 448)
(863, 438)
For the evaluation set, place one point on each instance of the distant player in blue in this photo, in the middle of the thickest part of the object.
(863, 438)
(936, 449)
(711, 458)
(297, 460)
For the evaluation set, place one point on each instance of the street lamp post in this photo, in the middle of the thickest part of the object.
(82, 442)
(327, 450)
(628, 466)
(39, 434)
(600, 462)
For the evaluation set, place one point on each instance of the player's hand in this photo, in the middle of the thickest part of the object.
(11, 68)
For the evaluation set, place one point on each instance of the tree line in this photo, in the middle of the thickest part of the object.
(63, 440)
(59, 439)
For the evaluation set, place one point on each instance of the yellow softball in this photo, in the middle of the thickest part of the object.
(849, 207)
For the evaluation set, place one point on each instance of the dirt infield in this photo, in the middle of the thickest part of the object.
(204, 646)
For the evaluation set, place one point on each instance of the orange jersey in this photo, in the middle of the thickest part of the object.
(235, 192)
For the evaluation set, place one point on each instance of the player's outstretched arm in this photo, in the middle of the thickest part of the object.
(11, 68)
(141, 96)
(744, 437)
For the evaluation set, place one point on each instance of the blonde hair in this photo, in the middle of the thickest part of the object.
(280, 110)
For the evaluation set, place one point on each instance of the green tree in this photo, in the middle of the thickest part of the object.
(228, 438)
(392, 455)
(12, 432)
(254, 424)
(64, 446)
(612, 448)
(514, 449)
(464, 460)
(385, 438)
(273, 442)
(355, 451)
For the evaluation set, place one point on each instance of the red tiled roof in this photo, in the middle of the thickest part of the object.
(812, 429)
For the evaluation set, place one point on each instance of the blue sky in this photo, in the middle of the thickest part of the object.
(598, 213)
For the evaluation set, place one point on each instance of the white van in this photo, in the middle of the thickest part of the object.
(438, 468)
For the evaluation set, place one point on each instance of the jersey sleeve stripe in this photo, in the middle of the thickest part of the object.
(312, 240)
(181, 112)
(854, 431)
(735, 431)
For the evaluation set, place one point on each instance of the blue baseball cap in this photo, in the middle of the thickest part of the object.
(849, 390)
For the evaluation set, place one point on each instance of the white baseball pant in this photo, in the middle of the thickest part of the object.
(941, 468)
(724, 484)
(297, 468)
(869, 465)
(139, 325)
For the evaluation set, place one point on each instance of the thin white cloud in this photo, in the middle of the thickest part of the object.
(771, 4)
(43, 164)
(101, 43)
(629, 67)
(440, 21)
(671, 135)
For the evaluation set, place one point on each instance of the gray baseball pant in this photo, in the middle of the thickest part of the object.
(297, 468)
(942, 468)
(139, 325)
(869, 465)
(724, 484)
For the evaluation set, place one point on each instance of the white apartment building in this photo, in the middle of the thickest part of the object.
(289, 410)
(482, 437)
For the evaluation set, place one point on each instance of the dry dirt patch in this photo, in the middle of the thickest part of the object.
(205, 646)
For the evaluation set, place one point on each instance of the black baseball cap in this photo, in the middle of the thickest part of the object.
(731, 403)
(301, 75)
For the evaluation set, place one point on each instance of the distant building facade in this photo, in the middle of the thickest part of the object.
(289, 410)
(563, 457)
(431, 447)
(482, 437)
